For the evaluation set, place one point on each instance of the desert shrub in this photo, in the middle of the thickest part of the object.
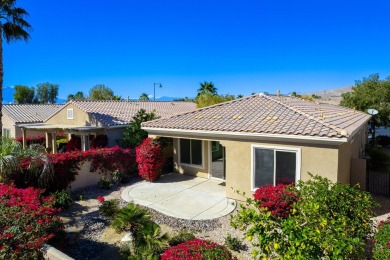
(381, 248)
(233, 243)
(27, 221)
(62, 199)
(276, 199)
(329, 221)
(131, 218)
(150, 159)
(197, 249)
(104, 183)
(108, 208)
(181, 237)
(101, 141)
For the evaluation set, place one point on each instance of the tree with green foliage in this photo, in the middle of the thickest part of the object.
(240, 96)
(78, 96)
(24, 95)
(133, 134)
(209, 99)
(47, 93)
(207, 87)
(143, 97)
(327, 221)
(370, 92)
(13, 27)
(102, 92)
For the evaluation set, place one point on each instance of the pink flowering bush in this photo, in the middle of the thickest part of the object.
(276, 199)
(27, 221)
(150, 159)
(381, 248)
(197, 249)
(33, 140)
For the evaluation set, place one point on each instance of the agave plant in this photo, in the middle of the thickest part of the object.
(38, 165)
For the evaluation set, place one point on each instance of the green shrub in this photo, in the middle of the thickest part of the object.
(181, 237)
(383, 140)
(109, 208)
(381, 248)
(329, 221)
(233, 243)
(105, 183)
(131, 218)
(62, 199)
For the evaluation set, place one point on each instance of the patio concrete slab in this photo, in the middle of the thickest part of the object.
(182, 196)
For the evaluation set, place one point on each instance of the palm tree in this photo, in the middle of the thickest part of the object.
(207, 87)
(13, 28)
(143, 97)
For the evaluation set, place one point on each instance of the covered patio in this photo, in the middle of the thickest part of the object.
(52, 130)
(182, 196)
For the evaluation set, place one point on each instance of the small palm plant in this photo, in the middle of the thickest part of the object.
(150, 242)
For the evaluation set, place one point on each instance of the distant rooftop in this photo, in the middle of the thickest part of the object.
(30, 113)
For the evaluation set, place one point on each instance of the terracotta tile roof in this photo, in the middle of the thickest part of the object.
(30, 113)
(267, 114)
(114, 112)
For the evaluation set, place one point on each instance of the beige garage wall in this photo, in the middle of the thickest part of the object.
(321, 160)
(196, 171)
(79, 117)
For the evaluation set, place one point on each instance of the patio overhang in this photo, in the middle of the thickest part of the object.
(52, 129)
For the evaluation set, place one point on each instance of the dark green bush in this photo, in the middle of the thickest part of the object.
(383, 140)
(109, 208)
(233, 243)
(62, 199)
(181, 237)
(381, 248)
(105, 183)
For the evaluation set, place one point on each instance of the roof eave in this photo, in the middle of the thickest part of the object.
(221, 135)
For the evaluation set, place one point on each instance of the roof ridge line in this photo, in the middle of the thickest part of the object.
(337, 129)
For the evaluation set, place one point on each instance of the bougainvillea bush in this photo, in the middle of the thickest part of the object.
(150, 159)
(100, 141)
(327, 221)
(276, 199)
(33, 140)
(381, 248)
(74, 144)
(27, 221)
(66, 166)
(197, 249)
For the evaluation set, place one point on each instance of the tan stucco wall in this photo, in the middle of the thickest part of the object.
(197, 171)
(79, 117)
(8, 123)
(113, 135)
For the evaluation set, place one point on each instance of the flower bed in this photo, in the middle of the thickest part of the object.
(381, 248)
(27, 221)
(197, 249)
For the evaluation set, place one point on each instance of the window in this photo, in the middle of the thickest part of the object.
(274, 166)
(69, 113)
(191, 152)
(6, 132)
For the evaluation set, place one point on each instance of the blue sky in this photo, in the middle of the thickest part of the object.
(241, 46)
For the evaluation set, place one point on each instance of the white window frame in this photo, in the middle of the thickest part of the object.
(69, 113)
(8, 131)
(187, 164)
(297, 151)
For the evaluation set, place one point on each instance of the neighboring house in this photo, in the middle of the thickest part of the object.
(88, 118)
(18, 114)
(264, 139)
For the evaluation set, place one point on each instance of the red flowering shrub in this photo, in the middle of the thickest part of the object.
(33, 140)
(66, 166)
(197, 249)
(27, 221)
(100, 141)
(150, 159)
(277, 199)
(74, 144)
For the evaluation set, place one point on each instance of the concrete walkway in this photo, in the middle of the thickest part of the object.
(182, 196)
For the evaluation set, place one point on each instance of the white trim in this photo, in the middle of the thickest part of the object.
(211, 135)
(186, 164)
(276, 148)
(69, 113)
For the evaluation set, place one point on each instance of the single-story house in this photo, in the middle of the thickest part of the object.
(267, 139)
(88, 118)
(15, 115)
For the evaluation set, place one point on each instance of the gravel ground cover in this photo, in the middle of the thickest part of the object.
(85, 226)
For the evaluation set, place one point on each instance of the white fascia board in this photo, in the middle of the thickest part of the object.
(213, 134)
